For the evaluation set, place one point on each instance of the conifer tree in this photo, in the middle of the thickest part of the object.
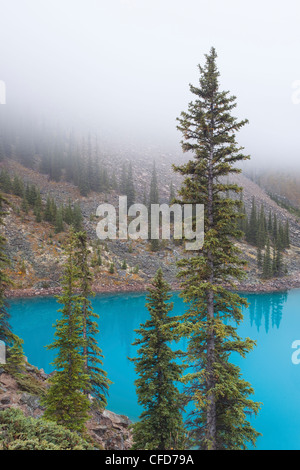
(5, 282)
(244, 222)
(68, 213)
(25, 205)
(221, 397)
(98, 383)
(38, 205)
(275, 228)
(160, 426)
(14, 344)
(65, 403)
(153, 194)
(274, 262)
(50, 211)
(5, 182)
(18, 186)
(270, 223)
(38, 214)
(253, 224)
(279, 242)
(77, 218)
(259, 257)
(15, 358)
(287, 235)
(277, 264)
(267, 262)
(111, 268)
(261, 228)
(59, 224)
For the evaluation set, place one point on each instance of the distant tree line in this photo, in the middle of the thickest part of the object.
(281, 184)
(48, 211)
(269, 235)
(58, 154)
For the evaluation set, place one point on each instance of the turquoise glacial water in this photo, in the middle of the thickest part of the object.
(273, 320)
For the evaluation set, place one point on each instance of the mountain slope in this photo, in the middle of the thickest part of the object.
(36, 252)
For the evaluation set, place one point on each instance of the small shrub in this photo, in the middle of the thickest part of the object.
(112, 268)
(25, 433)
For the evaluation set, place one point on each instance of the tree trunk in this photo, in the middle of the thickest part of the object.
(211, 403)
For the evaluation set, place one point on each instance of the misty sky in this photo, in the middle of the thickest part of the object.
(123, 67)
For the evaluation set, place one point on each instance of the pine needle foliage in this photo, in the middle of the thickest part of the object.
(98, 383)
(220, 395)
(160, 426)
(65, 402)
(5, 329)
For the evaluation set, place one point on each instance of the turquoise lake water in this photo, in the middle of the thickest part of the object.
(273, 320)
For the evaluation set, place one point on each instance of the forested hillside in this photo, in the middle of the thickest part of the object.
(283, 185)
(43, 207)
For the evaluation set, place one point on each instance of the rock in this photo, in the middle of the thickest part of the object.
(5, 400)
(31, 401)
(43, 374)
(116, 419)
(100, 430)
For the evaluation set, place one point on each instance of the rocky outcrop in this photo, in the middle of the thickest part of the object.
(108, 430)
(112, 431)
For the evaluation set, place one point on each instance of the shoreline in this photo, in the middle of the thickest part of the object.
(259, 287)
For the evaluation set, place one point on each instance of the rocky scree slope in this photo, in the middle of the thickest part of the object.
(36, 252)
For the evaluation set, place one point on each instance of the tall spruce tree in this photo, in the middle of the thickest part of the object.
(221, 396)
(65, 403)
(98, 383)
(160, 426)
